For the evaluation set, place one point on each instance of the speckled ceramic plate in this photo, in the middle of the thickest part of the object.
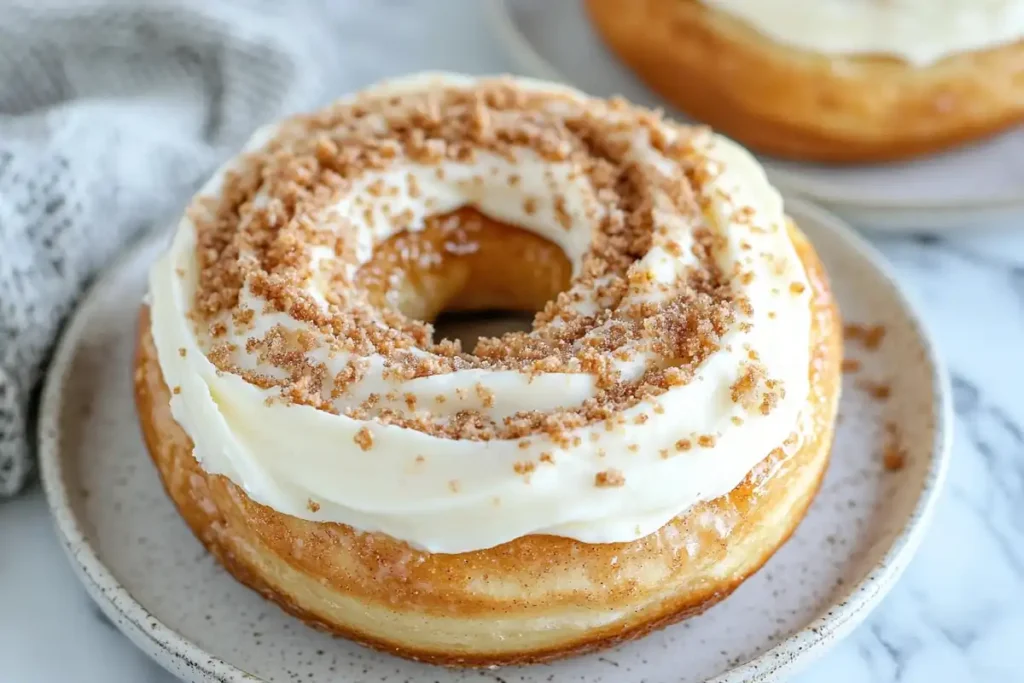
(152, 578)
(978, 184)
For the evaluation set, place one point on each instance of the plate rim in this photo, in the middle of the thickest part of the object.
(526, 56)
(178, 653)
(147, 632)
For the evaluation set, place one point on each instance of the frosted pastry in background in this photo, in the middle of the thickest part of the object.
(830, 80)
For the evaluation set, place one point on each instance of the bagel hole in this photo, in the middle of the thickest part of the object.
(468, 326)
(468, 274)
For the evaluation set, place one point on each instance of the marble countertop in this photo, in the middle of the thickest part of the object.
(956, 615)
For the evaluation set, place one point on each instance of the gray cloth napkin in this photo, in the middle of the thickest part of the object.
(110, 114)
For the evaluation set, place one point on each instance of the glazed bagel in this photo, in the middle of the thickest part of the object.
(799, 104)
(461, 530)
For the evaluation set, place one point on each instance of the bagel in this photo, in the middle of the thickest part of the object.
(629, 461)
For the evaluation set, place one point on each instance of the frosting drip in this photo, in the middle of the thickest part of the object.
(674, 363)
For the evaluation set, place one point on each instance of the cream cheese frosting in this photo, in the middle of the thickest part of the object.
(921, 32)
(602, 481)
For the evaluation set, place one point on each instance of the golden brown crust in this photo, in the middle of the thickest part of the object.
(804, 105)
(488, 607)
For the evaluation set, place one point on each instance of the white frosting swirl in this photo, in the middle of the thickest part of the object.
(289, 456)
(919, 31)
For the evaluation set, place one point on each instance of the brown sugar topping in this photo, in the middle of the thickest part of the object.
(524, 467)
(753, 389)
(894, 455)
(258, 235)
(609, 478)
(879, 391)
(869, 336)
(364, 438)
(743, 390)
(850, 365)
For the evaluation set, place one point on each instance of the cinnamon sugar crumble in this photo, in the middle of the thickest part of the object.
(312, 505)
(869, 336)
(754, 389)
(609, 478)
(182, 351)
(894, 456)
(364, 439)
(176, 390)
(349, 375)
(524, 466)
(879, 391)
(485, 395)
(706, 441)
(743, 390)
(562, 214)
(774, 391)
(850, 365)
(317, 159)
(414, 186)
(243, 318)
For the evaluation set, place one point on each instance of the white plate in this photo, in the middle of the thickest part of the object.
(141, 564)
(983, 183)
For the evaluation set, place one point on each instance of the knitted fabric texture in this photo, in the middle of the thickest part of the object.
(111, 114)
